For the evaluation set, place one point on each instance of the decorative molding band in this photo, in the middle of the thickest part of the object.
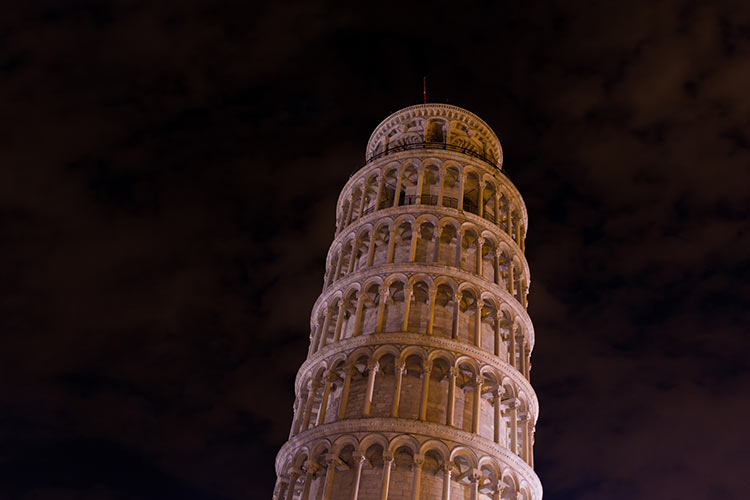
(446, 111)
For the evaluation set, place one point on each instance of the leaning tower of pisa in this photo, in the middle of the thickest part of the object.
(416, 384)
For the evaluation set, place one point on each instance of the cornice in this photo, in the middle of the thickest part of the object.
(447, 111)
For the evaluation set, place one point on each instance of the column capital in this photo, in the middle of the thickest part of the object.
(332, 376)
(419, 460)
(388, 457)
(475, 475)
(311, 467)
(400, 365)
(373, 364)
(427, 366)
(453, 371)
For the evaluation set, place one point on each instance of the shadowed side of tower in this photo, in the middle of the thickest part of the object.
(416, 384)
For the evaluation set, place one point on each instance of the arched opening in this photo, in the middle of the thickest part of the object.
(425, 246)
(489, 324)
(385, 382)
(432, 475)
(437, 395)
(444, 311)
(489, 201)
(469, 244)
(372, 472)
(402, 247)
(402, 474)
(447, 246)
(355, 402)
(411, 387)
(467, 316)
(370, 193)
(356, 204)
(451, 185)
(464, 397)
(488, 485)
(344, 477)
(370, 305)
(362, 248)
(388, 194)
(471, 193)
(394, 307)
(434, 131)
(380, 253)
(349, 316)
(488, 261)
(419, 308)
(486, 427)
(430, 186)
(408, 192)
(462, 476)
(346, 255)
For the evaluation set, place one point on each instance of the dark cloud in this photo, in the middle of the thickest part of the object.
(168, 180)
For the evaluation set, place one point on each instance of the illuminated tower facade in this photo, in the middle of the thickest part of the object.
(416, 384)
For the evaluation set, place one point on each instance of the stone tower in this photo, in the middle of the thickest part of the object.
(416, 384)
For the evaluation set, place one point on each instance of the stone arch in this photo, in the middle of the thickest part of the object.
(489, 257)
(431, 180)
(490, 331)
(465, 463)
(360, 254)
(347, 324)
(426, 230)
(471, 191)
(447, 241)
(347, 249)
(435, 130)
(358, 363)
(370, 297)
(356, 204)
(411, 387)
(444, 314)
(488, 199)
(395, 306)
(468, 313)
(465, 393)
(438, 395)
(381, 238)
(383, 395)
(469, 248)
(451, 184)
(408, 180)
(402, 234)
(370, 193)
(419, 305)
(511, 490)
(390, 182)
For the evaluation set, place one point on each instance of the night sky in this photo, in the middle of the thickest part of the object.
(168, 180)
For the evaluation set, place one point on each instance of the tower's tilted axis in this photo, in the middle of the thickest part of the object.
(416, 385)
